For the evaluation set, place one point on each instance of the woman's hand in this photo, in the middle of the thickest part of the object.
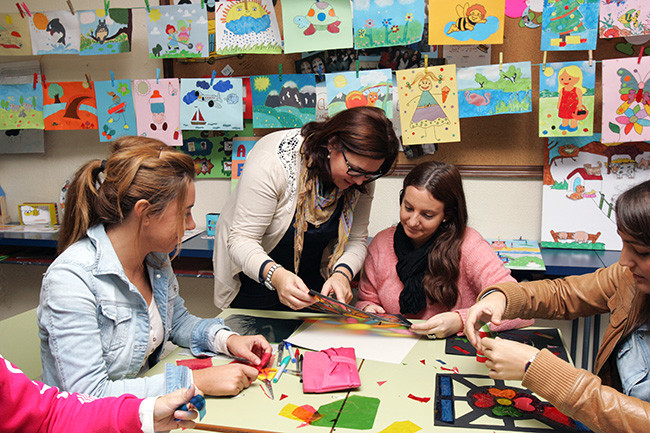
(506, 359)
(340, 285)
(488, 309)
(165, 414)
(229, 379)
(292, 291)
(372, 308)
(250, 347)
(441, 325)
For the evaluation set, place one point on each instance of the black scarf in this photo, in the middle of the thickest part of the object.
(411, 266)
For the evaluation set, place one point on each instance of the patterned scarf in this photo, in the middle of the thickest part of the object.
(315, 208)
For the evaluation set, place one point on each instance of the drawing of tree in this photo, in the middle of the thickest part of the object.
(21, 100)
(72, 110)
(55, 91)
(566, 18)
(480, 79)
(511, 74)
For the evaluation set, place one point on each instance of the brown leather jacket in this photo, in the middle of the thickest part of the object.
(594, 399)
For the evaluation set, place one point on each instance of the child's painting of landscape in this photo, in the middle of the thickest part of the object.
(380, 23)
(69, 105)
(21, 106)
(105, 33)
(365, 88)
(287, 101)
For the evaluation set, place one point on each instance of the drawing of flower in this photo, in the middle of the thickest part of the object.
(370, 23)
(123, 89)
(387, 22)
(408, 18)
(634, 118)
(504, 402)
(362, 33)
(199, 47)
(395, 29)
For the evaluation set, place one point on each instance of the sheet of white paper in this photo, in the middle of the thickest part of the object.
(366, 344)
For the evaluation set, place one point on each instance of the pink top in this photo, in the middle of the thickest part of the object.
(480, 267)
(34, 407)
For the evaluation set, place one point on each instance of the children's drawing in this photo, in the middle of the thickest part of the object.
(212, 104)
(212, 150)
(429, 105)
(477, 402)
(115, 109)
(15, 38)
(518, 254)
(380, 23)
(620, 18)
(69, 105)
(241, 148)
(367, 88)
(105, 33)
(566, 99)
(55, 32)
(316, 24)
(532, 15)
(178, 31)
(21, 106)
(582, 179)
(494, 89)
(626, 100)
(157, 109)
(287, 101)
(569, 25)
(462, 22)
(22, 141)
(247, 26)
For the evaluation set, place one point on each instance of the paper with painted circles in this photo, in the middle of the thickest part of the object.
(428, 100)
(360, 89)
(157, 109)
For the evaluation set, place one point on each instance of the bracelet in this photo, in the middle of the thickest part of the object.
(269, 274)
(338, 271)
(530, 361)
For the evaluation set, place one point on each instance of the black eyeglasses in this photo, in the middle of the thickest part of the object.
(357, 172)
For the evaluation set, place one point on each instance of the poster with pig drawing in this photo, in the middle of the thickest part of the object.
(157, 109)
(582, 179)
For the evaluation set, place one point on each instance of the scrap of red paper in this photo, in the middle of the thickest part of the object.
(195, 363)
(381, 382)
(424, 362)
(420, 399)
(283, 396)
(461, 350)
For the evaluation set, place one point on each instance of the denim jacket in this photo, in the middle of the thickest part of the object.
(94, 324)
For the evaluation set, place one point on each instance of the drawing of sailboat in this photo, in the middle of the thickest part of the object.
(198, 119)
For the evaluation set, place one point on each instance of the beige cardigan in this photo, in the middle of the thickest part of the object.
(260, 210)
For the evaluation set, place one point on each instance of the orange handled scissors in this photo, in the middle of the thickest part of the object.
(266, 374)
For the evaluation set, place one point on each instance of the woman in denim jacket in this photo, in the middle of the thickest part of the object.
(110, 301)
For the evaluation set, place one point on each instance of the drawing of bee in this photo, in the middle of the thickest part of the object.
(630, 18)
(468, 17)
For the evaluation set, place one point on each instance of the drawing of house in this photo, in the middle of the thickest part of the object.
(579, 176)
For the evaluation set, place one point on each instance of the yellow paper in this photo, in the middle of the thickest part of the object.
(287, 412)
(458, 22)
(428, 101)
(402, 427)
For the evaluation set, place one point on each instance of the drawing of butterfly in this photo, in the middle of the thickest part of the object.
(632, 89)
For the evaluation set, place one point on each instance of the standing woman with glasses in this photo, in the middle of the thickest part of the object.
(298, 218)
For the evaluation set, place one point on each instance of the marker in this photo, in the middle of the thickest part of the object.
(280, 350)
(282, 367)
(289, 348)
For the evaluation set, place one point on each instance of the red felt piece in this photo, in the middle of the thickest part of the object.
(484, 400)
(195, 363)
(424, 362)
(461, 350)
(524, 403)
(420, 399)
(283, 396)
(381, 382)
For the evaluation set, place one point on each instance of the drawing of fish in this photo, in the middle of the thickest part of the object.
(55, 26)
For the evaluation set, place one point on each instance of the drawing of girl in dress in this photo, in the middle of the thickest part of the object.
(570, 93)
(428, 113)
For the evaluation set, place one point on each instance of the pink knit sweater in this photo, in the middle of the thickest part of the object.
(479, 268)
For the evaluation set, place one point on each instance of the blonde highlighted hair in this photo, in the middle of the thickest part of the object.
(573, 71)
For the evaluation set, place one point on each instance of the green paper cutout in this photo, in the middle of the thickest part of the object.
(506, 411)
(359, 413)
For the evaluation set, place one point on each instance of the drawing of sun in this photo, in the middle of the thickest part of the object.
(261, 83)
(246, 16)
(155, 15)
(40, 21)
(340, 81)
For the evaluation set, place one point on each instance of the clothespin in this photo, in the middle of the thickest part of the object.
(146, 6)
(280, 71)
(640, 55)
(43, 80)
(70, 6)
(544, 60)
(26, 9)
(107, 5)
(202, 4)
(357, 67)
(214, 74)
(591, 57)
(157, 75)
(426, 63)
(500, 60)
(35, 79)
(22, 14)
(112, 78)
(246, 7)
(90, 84)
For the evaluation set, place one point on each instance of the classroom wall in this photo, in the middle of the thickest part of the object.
(497, 207)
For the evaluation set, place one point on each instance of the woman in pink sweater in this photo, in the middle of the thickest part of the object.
(431, 265)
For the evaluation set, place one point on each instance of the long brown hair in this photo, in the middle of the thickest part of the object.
(106, 191)
(443, 182)
(633, 212)
(365, 131)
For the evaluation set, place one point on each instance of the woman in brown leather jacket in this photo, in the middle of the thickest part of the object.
(617, 397)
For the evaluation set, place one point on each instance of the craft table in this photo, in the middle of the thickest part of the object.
(252, 411)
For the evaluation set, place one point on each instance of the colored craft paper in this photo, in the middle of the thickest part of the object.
(477, 402)
(246, 26)
(569, 25)
(514, 8)
(287, 101)
(328, 304)
(103, 33)
(358, 413)
(316, 24)
(495, 89)
(241, 148)
(566, 99)
(212, 150)
(582, 178)
(402, 427)
(365, 88)
(429, 105)
(518, 254)
(157, 109)
(456, 22)
(15, 38)
(55, 32)
(178, 31)
(21, 106)
(626, 100)
(115, 109)
(212, 104)
(377, 346)
(624, 18)
(531, 17)
(22, 141)
(379, 23)
(69, 105)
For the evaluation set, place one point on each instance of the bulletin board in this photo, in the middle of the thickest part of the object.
(505, 145)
